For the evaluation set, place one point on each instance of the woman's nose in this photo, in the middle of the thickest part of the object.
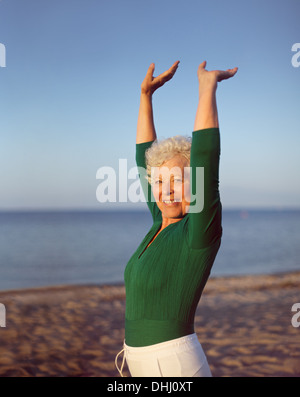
(167, 188)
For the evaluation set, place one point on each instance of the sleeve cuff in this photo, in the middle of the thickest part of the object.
(213, 130)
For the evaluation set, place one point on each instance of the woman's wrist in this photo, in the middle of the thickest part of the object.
(146, 95)
(208, 89)
(207, 113)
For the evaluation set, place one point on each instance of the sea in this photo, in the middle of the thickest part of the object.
(50, 248)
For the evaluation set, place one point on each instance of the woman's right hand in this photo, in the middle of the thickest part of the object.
(151, 83)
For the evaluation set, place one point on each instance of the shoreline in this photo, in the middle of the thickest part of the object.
(263, 277)
(243, 323)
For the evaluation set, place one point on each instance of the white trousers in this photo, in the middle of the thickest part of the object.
(182, 357)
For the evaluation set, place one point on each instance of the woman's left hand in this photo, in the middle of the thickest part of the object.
(209, 79)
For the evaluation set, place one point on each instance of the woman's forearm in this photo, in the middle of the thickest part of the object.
(207, 113)
(145, 125)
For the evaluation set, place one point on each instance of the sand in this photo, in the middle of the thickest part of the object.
(243, 323)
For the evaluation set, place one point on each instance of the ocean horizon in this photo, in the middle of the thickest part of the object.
(66, 247)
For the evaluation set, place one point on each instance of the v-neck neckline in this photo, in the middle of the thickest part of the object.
(148, 243)
(145, 248)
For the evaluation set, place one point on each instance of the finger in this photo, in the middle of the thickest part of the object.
(202, 66)
(168, 74)
(175, 64)
(171, 71)
(150, 71)
(232, 71)
(227, 74)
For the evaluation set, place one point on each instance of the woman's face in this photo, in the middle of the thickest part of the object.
(171, 187)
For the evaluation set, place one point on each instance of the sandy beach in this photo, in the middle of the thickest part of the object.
(243, 323)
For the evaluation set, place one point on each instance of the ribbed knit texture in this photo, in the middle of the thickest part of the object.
(164, 282)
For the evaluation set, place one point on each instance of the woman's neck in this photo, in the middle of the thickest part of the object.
(168, 221)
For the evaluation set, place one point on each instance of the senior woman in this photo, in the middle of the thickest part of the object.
(165, 277)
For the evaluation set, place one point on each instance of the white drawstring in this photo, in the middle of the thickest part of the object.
(123, 361)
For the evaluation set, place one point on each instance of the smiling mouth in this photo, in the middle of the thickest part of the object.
(171, 201)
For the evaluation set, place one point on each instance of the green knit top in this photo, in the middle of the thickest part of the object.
(164, 282)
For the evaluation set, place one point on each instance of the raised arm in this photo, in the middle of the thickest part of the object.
(145, 125)
(207, 114)
(205, 226)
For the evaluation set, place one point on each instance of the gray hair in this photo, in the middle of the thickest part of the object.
(162, 151)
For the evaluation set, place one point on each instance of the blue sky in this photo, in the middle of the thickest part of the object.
(69, 94)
